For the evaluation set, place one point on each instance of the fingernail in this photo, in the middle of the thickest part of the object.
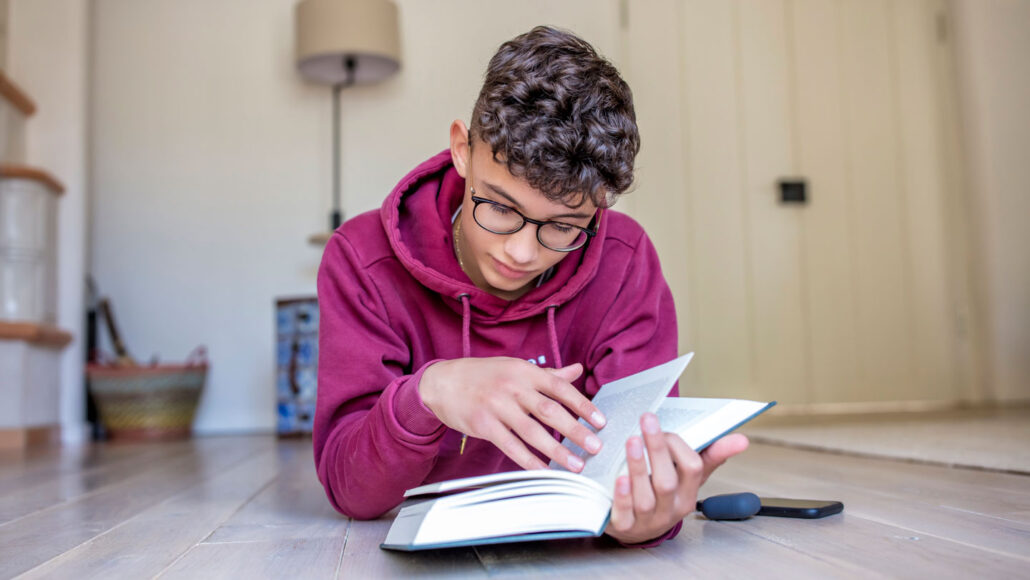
(575, 463)
(593, 443)
(636, 448)
(651, 424)
(622, 486)
(598, 419)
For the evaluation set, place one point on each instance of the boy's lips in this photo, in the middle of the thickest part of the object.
(507, 271)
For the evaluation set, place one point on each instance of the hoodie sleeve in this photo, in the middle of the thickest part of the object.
(639, 331)
(373, 436)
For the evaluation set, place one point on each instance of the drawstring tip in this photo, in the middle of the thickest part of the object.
(464, 438)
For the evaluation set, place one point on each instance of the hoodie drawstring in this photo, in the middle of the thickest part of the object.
(466, 326)
(466, 346)
(552, 332)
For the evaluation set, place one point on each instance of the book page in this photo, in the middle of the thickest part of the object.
(490, 479)
(700, 421)
(623, 402)
(681, 414)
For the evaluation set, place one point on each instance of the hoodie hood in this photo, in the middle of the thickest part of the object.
(417, 219)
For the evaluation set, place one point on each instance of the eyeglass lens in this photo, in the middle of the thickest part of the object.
(504, 220)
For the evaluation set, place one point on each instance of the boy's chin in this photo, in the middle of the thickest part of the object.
(506, 286)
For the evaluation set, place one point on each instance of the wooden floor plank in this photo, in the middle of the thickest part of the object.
(703, 549)
(292, 506)
(27, 468)
(710, 549)
(152, 540)
(301, 558)
(592, 558)
(14, 462)
(849, 539)
(42, 489)
(362, 557)
(34, 539)
(918, 498)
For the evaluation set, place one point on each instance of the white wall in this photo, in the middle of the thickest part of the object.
(47, 56)
(211, 163)
(992, 41)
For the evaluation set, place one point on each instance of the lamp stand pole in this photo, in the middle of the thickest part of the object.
(336, 217)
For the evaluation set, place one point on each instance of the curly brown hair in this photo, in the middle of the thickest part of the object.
(559, 116)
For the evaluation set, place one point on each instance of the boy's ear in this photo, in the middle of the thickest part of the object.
(460, 147)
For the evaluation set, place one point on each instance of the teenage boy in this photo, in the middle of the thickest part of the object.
(448, 315)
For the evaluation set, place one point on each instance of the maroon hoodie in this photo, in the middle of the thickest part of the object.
(393, 300)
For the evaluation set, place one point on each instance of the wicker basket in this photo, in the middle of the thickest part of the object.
(155, 402)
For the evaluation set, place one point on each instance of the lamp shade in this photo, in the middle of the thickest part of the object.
(329, 32)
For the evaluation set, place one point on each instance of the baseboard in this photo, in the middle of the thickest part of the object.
(25, 437)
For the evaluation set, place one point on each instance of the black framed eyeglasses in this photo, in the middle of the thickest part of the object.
(498, 218)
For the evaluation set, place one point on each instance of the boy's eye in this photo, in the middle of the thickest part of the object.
(561, 228)
(502, 210)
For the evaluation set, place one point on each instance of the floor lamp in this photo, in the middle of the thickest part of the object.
(344, 43)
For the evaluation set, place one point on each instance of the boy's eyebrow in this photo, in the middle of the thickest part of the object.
(519, 207)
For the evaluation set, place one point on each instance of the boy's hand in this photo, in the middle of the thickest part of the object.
(497, 399)
(645, 506)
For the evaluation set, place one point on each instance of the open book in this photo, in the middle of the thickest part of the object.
(518, 506)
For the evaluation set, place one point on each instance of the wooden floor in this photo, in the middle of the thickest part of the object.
(250, 507)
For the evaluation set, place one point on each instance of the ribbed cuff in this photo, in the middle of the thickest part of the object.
(411, 412)
(672, 533)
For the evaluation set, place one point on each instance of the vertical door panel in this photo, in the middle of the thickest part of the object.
(924, 176)
(653, 57)
(882, 277)
(775, 281)
(718, 235)
(828, 250)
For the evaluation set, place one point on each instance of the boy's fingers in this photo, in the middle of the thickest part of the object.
(717, 453)
(569, 373)
(514, 448)
(622, 506)
(689, 466)
(554, 415)
(562, 391)
(664, 479)
(640, 482)
(533, 434)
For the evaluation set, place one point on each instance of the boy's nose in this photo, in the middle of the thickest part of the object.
(522, 246)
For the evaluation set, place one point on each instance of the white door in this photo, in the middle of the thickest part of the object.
(850, 297)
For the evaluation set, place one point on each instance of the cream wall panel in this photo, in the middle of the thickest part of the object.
(924, 183)
(880, 211)
(829, 251)
(719, 237)
(776, 271)
(991, 40)
(653, 56)
(971, 338)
